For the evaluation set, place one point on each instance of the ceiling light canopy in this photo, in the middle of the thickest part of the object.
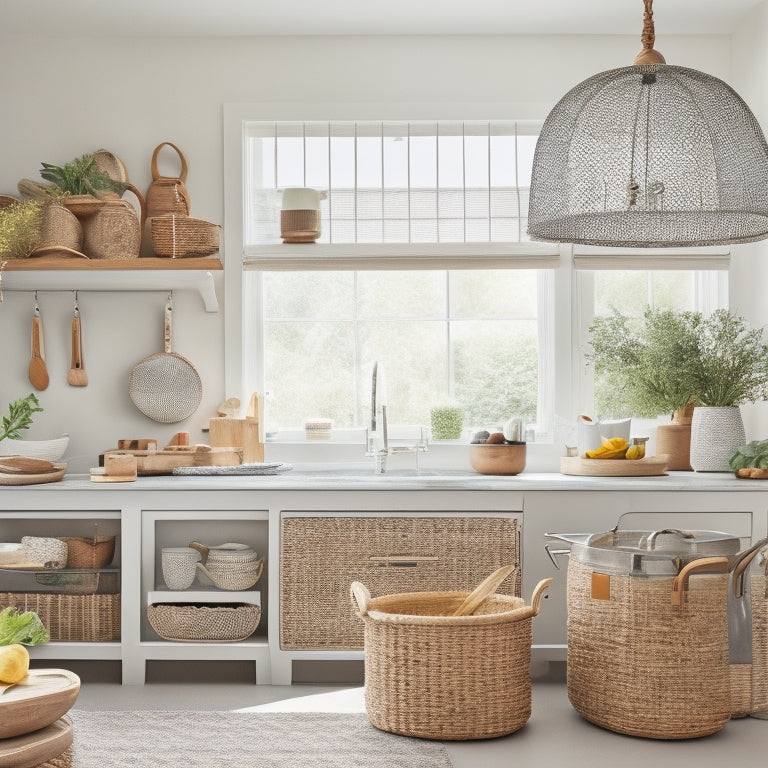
(651, 155)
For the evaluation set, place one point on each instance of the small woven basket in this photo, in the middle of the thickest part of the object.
(168, 194)
(437, 676)
(202, 622)
(641, 666)
(89, 553)
(179, 237)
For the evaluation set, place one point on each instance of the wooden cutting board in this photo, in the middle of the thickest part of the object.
(163, 462)
(36, 702)
(34, 749)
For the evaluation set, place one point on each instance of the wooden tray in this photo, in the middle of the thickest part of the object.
(37, 701)
(650, 465)
(7, 478)
(162, 462)
(36, 749)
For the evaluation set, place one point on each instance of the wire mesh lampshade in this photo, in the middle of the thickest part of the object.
(651, 155)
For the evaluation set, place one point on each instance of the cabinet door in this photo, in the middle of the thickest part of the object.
(321, 556)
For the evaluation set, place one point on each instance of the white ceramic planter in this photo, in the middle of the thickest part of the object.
(715, 434)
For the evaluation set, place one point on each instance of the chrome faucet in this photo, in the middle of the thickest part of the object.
(377, 435)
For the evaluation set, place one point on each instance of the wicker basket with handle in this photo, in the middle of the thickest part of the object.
(434, 675)
(167, 194)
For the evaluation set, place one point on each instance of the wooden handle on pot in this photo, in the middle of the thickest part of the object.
(360, 596)
(717, 564)
(184, 168)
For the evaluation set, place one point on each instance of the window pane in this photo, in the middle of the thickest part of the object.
(323, 332)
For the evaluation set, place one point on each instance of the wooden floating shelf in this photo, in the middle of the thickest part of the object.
(149, 274)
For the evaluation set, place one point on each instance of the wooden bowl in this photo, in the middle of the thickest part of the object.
(497, 459)
(39, 700)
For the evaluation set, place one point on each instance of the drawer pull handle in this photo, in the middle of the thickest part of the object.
(402, 561)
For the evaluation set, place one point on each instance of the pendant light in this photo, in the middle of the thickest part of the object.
(652, 155)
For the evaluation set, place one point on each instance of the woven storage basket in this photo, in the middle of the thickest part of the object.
(114, 230)
(321, 556)
(759, 597)
(89, 553)
(641, 666)
(71, 618)
(437, 676)
(179, 237)
(168, 194)
(204, 622)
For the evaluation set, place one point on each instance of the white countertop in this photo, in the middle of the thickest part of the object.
(359, 480)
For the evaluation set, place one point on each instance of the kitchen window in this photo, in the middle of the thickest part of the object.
(424, 266)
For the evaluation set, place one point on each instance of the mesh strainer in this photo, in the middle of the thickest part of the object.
(165, 386)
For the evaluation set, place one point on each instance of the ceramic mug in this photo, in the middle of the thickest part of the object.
(179, 566)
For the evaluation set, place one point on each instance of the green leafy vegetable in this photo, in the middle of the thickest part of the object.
(754, 454)
(19, 416)
(22, 627)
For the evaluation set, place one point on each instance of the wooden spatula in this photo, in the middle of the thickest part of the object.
(38, 373)
(76, 376)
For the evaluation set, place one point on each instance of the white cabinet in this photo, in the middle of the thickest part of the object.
(171, 511)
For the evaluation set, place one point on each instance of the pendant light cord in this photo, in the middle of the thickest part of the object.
(648, 37)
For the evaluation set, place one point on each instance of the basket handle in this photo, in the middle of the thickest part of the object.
(201, 548)
(156, 172)
(360, 596)
(678, 585)
(142, 202)
(538, 595)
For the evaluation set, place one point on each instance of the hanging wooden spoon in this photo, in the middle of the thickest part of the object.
(38, 373)
(76, 376)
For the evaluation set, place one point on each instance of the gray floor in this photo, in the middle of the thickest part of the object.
(555, 734)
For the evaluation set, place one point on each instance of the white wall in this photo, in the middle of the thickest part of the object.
(61, 98)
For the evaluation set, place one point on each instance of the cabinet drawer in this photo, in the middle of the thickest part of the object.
(321, 556)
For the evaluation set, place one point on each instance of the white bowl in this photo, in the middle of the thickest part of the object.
(51, 450)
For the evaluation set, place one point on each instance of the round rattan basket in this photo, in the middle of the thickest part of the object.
(204, 622)
(437, 676)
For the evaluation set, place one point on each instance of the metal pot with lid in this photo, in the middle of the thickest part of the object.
(648, 629)
(644, 553)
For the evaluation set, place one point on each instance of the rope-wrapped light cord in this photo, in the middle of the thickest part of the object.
(648, 55)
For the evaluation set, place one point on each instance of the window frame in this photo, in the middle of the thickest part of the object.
(564, 333)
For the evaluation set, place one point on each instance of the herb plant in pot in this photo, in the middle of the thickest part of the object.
(732, 368)
(643, 369)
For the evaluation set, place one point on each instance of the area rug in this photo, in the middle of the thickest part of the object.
(187, 739)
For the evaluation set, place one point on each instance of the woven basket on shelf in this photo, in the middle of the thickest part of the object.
(114, 230)
(89, 553)
(204, 622)
(71, 618)
(759, 596)
(179, 237)
(168, 194)
(437, 676)
(639, 665)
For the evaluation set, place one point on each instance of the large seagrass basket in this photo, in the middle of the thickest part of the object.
(437, 676)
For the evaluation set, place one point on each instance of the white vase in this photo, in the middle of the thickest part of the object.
(715, 434)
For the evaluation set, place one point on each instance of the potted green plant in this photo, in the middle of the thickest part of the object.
(671, 361)
(643, 369)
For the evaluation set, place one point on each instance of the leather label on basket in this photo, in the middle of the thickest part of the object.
(601, 586)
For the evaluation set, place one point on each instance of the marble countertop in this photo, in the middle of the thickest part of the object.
(409, 480)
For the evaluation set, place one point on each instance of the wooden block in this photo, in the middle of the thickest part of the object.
(253, 448)
(226, 432)
(180, 438)
(120, 465)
